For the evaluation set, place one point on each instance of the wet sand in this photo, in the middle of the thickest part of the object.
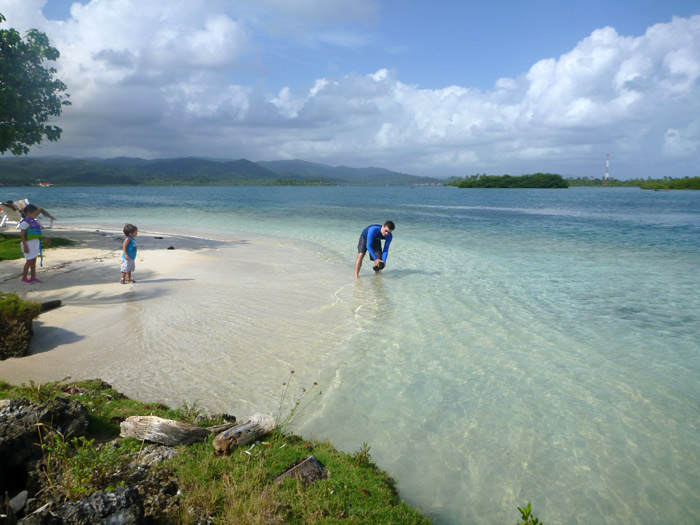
(219, 323)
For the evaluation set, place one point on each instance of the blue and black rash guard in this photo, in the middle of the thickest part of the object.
(373, 233)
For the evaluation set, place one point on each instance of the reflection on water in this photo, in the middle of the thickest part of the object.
(372, 302)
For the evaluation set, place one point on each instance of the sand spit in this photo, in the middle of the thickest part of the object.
(220, 323)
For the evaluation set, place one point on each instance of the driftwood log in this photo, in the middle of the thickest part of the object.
(217, 429)
(163, 431)
(258, 425)
(50, 305)
(308, 470)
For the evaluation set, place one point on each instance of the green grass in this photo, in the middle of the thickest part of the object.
(16, 316)
(239, 488)
(11, 245)
(12, 308)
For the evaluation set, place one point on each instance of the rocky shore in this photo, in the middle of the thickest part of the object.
(146, 496)
(82, 453)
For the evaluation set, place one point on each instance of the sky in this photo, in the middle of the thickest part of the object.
(443, 88)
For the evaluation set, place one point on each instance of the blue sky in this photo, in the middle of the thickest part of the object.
(430, 88)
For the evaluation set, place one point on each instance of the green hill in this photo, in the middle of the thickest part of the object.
(26, 171)
(343, 174)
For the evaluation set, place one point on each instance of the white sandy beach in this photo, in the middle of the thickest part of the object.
(219, 323)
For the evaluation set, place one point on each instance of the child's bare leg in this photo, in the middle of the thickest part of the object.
(26, 269)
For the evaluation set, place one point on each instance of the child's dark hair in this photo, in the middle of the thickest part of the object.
(129, 229)
(29, 208)
(390, 225)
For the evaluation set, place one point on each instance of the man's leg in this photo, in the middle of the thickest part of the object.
(358, 264)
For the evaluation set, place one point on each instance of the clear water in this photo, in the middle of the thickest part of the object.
(522, 345)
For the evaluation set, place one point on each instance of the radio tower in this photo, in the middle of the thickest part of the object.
(606, 180)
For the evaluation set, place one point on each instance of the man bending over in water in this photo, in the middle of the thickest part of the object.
(371, 240)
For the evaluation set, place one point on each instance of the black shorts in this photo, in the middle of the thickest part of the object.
(376, 246)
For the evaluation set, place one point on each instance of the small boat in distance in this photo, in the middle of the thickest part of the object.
(44, 184)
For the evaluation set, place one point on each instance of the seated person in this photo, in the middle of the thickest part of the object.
(19, 206)
(9, 205)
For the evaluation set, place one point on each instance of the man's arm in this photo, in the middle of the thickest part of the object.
(387, 242)
(46, 214)
(371, 234)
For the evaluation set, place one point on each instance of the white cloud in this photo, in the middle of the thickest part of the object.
(22, 14)
(287, 104)
(683, 143)
(166, 79)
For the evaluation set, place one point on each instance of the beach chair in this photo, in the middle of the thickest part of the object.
(10, 216)
(12, 213)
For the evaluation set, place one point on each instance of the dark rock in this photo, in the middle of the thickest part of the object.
(23, 425)
(18, 502)
(153, 455)
(149, 495)
(309, 470)
(122, 506)
(158, 490)
(15, 336)
(153, 498)
(171, 247)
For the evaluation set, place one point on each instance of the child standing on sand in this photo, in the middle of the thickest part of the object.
(31, 242)
(129, 253)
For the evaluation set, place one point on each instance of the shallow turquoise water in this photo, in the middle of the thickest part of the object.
(522, 345)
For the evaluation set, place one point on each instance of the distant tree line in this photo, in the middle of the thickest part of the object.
(550, 180)
(688, 183)
(305, 182)
(665, 183)
(536, 180)
(586, 181)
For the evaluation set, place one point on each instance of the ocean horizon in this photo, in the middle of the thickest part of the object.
(521, 346)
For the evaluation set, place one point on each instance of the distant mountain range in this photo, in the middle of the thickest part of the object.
(27, 171)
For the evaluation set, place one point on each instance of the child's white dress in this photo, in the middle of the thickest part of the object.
(32, 244)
